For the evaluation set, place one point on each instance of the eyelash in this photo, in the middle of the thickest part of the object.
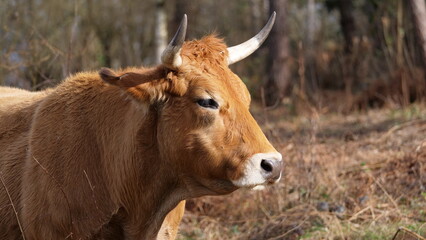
(208, 103)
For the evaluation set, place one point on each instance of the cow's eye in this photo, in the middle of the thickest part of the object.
(208, 103)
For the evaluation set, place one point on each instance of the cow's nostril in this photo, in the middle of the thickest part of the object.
(266, 165)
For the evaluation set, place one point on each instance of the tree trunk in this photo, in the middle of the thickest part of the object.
(310, 26)
(311, 86)
(160, 30)
(278, 43)
(419, 13)
(347, 23)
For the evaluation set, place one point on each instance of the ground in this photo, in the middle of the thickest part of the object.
(347, 176)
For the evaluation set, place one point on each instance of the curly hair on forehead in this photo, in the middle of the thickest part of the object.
(209, 49)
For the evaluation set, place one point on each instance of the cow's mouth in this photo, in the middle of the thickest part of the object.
(263, 186)
(258, 188)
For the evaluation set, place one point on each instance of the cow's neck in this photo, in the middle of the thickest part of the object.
(143, 183)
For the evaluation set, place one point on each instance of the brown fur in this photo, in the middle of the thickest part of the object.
(93, 159)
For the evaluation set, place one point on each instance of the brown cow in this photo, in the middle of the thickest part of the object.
(109, 155)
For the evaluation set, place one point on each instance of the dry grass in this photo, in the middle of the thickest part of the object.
(357, 176)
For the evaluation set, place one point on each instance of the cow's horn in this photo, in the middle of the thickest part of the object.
(241, 51)
(171, 55)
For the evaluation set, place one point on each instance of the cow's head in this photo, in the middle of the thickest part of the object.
(204, 129)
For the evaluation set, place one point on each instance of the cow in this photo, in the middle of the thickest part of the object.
(115, 154)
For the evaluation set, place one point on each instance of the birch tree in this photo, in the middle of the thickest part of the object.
(160, 29)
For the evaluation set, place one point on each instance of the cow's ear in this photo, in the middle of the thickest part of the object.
(126, 80)
(146, 85)
(109, 76)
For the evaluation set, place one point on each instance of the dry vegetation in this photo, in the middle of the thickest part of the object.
(356, 176)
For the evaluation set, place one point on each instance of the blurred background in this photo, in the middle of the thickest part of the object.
(339, 88)
(364, 52)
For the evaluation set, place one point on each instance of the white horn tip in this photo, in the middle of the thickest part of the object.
(241, 51)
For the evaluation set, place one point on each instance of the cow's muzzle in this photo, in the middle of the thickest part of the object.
(261, 169)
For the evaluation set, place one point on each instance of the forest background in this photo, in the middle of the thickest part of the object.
(339, 87)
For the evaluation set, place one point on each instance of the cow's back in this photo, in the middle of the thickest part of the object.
(16, 111)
